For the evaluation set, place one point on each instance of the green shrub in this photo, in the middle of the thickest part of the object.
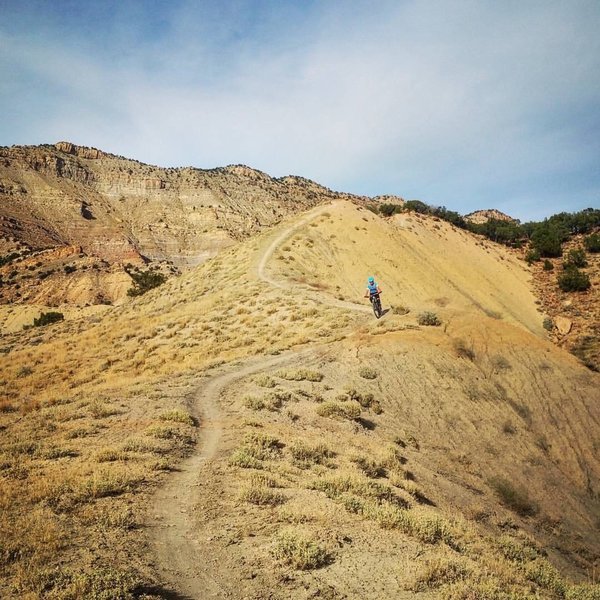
(144, 282)
(548, 324)
(48, 318)
(575, 258)
(532, 256)
(548, 266)
(547, 239)
(592, 243)
(428, 318)
(387, 210)
(573, 280)
(417, 206)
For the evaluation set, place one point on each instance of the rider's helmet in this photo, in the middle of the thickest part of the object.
(371, 280)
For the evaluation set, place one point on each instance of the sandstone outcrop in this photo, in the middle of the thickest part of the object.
(563, 325)
(483, 216)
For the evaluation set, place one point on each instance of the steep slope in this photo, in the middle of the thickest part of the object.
(401, 459)
(574, 317)
(419, 261)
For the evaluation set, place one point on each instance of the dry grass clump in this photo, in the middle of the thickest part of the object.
(439, 571)
(368, 373)
(264, 380)
(547, 577)
(464, 350)
(299, 375)
(96, 584)
(262, 496)
(256, 448)
(143, 446)
(81, 432)
(264, 480)
(427, 528)
(304, 455)
(111, 455)
(334, 487)
(103, 483)
(177, 416)
(161, 432)
(583, 591)
(514, 497)
(272, 401)
(299, 552)
(244, 459)
(428, 318)
(339, 410)
(262, 446)
(520, 552)
(399, 310)
(370, 467)
(102, 410)
(365, 400)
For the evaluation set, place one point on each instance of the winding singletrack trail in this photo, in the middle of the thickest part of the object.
(174, 539)
(313, 295)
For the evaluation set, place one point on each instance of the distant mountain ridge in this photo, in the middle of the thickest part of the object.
(117, 208)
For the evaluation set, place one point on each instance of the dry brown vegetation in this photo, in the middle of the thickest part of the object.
(387, 459)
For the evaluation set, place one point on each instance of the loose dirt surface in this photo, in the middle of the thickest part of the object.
(175, 539)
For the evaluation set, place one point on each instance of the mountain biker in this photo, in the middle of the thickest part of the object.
(372, 288)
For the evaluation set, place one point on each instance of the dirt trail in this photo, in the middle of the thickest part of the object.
(174, 540)
(313, 295)
(176, 544)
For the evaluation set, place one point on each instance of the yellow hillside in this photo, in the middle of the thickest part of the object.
(422, 263)
(250, 430)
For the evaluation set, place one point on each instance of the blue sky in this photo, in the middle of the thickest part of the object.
(468, 104)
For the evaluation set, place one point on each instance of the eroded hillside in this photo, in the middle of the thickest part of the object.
(327, 454)
(99, 211)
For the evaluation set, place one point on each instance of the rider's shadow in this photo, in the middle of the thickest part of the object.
(385, 311)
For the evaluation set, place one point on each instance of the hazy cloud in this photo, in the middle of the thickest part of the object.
(467, 104)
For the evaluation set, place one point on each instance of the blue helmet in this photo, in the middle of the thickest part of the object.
(371, 280)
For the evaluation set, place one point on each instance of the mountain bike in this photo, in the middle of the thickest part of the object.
(376, 304)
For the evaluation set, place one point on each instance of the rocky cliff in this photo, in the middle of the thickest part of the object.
(483, 216)
(121, 211)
